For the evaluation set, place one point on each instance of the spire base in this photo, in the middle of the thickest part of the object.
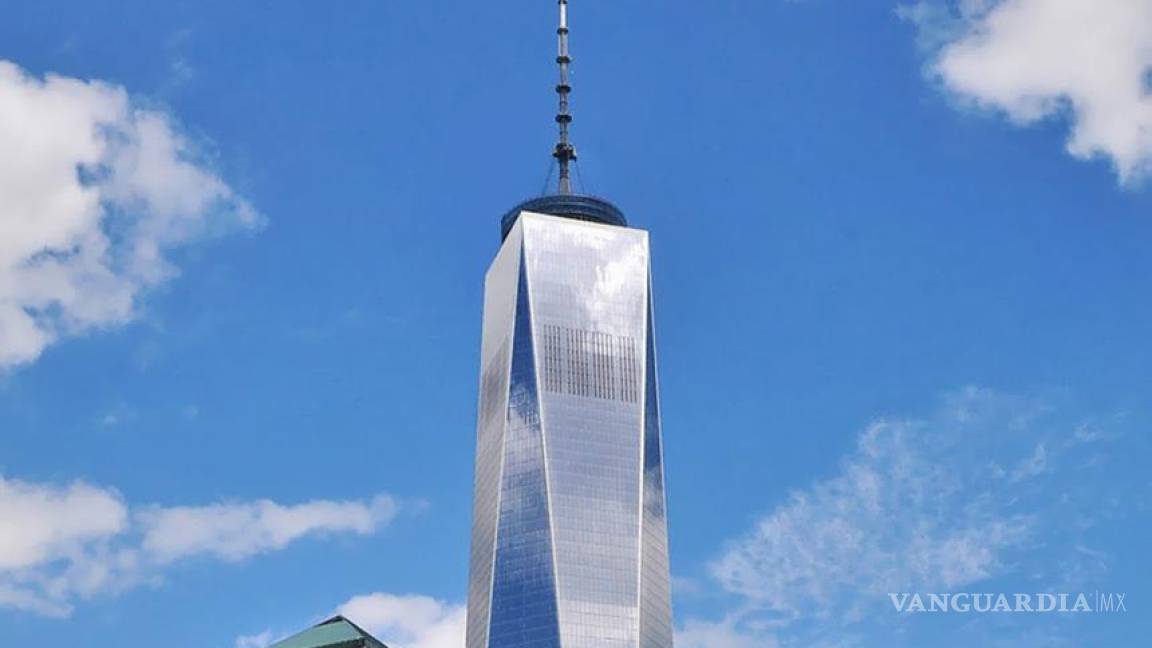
(585, 208)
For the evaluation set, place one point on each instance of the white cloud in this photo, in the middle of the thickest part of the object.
(1033, 466)
(1088, 60)
(921, 504)
(237, 531)
(255, 641)
(66, 543)
(408, 621)
(43, 522)
(57, 544)
(94, 192)
(903, 513)
(726, 634)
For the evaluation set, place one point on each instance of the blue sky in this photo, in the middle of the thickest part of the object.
(901, 265)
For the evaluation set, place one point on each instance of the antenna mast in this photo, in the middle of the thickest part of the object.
(565, 153)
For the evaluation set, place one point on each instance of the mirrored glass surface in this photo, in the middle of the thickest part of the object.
(572, 549)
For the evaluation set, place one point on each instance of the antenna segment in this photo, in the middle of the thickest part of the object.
(565, 153)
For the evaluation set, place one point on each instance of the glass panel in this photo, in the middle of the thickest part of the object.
(499, 312)
(524, 590)
(589, 291)
(655, 588)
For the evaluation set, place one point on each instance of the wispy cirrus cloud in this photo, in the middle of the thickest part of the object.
(1088, 61)
(62, 544)
(96, 190)
(989, 486)
(728, 633)
(906, 511)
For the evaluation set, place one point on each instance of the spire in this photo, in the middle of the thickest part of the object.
(565, 153)
(564, 203)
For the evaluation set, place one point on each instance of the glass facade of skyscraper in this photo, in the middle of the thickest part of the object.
(569, 544)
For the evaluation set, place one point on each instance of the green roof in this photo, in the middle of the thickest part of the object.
(336, 632)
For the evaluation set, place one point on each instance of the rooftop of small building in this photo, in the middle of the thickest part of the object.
(336, 632)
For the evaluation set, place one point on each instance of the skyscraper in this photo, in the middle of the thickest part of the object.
(569, 537)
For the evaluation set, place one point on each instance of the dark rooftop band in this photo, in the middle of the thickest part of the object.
(585, 208)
